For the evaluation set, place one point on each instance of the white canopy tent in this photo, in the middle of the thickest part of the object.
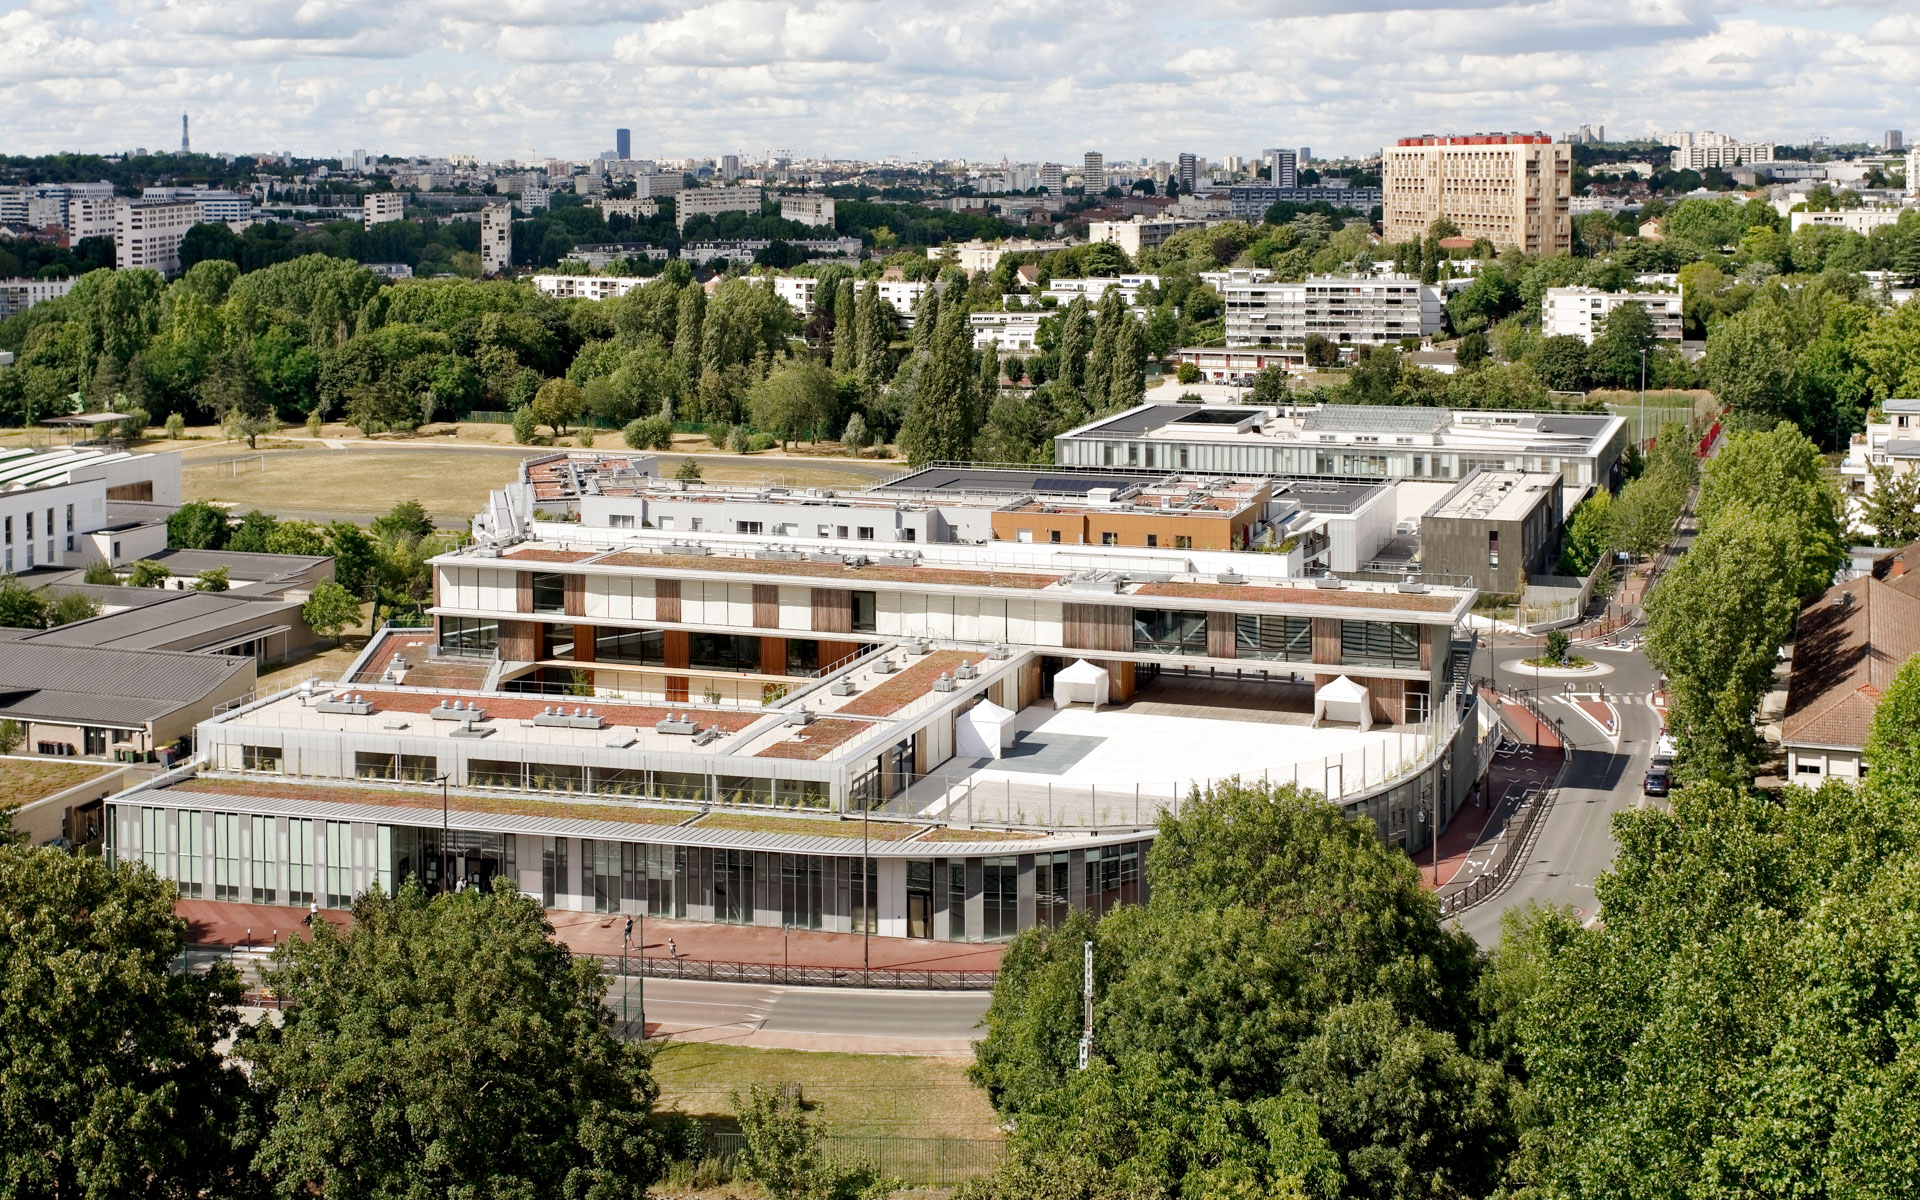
(1080, 681)
(1343, 700)
(983, 731)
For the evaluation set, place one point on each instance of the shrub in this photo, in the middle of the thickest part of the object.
(739, 441)
(586, 436)
(649, 433)
(1188, 373)
(176, 425)
(523, 425)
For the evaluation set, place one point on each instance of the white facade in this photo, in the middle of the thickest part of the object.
(586, 287)
(807, 210)
(91, 216)
(1357, 310)
(976, 255)
(1698, 151)
(496, 239)
(713, 201)
(1093, 173)
(1007, 330)
(1892, 442)
(1582, 312)
(147, 233)
(635, 210)
(1140, 233)
(645, 186)
(19, 295)
(378, 208)
(216, 206)
(1860, 220)
(1065, 290)
(53, 507)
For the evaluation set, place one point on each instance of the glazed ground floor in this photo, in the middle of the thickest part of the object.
(963, 897)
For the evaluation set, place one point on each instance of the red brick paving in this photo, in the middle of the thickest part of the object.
(220, 923)
(1472, 827)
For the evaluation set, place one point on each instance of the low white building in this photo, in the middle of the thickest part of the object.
(1356, 310)
(1006, 330)
(91, 216)
(216, 205)
(586, 287)
(976, 255)
(806, 209)
(1860, 220)
(147, 233)
(1065, 291)
(1582, 312)
(1140, 233)
(378, 208)
(1891, 441)
(57, 507)
(638, 209)
(710, 202)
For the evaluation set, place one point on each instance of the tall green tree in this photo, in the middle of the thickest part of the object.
(875, 337)
(1076, 339)
(690, 317)
(1778, 475)
(449, 1046)
(1891, 507)
(197, 525)
(110, 1085)
(795, 400)
(846, 328)
(943, 419)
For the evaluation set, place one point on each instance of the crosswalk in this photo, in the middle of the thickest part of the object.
(1654, 700)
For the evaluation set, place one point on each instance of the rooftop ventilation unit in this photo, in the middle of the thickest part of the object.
(965, 671)
(944, 683)
(800, 716)
(1330, 582)
(1230, 577)
(1413, 585)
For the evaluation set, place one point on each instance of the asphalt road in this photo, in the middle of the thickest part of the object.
(683, 1005)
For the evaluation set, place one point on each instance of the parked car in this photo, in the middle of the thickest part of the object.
(1659, 781)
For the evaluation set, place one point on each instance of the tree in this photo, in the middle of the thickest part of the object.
(21, 607)
(111, 1081)
(1714, 626)
(1284, 1014)
(1471, 350)
(942, 421)
(100, 573)
(558, 403)
(1076, 339)
(406, 1035)
(1128, 385)
(689, 470)
(12, 733)
(1321, 351)
(784, 1155)
(649, 433)
(1892, 506)
(797, 398)
(148, 573)
(64, 608)
(1562, 363)
(213, 579)
(1778, 475)
(846, 328)
(1590, 535)
(381, 405)
(857, 437)
(874, 338)
(253, 533)
(525, 424)
(1625, 336)
(355, 563)
(331, 610)
(297, 537)
(197, 525)
(406, 521)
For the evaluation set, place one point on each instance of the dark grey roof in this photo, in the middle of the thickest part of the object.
(240, 565)
(185, 620)
(1582, 424)
(1002, 481)
(1375, 418)
(103, 686)
(1141, 420)
(130, 514)
(1903, 447)
(1900, 405)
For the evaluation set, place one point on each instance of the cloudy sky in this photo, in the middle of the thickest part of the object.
(1027, 79)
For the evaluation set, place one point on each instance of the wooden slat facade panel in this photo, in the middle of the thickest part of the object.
(1219, 635)
(1326, 640)
(832, 654)
(832, 612)
(574, 597)
(666, 599)
(677, 689)
(583, 643)
(519, 641)
(766, 606)
(523, 591)
(1096, 627)
(676, 649)
(773, 653)
(1389, 697)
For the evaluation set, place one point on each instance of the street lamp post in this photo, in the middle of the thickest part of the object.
(1643, 393)
(626, 939)
(866, 877)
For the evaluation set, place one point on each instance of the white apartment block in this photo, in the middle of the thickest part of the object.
(1093, 173)
(1512, 189)
(1582, 312)
(147, 233)
(797, 290)
(1913, 171)
(1347, 310)
(808, 210)
(1698, 151)
(638, 209)
(713, 201)
(1860, 220)
(216, 205)
(1006, 330)
(1892, 442)
(536, 199)
(977, 255)
(91, 216)
(378, 208)
(657, 185)
(496, 239)
(19, 295)
(1052, 178)
(1140, 233)
(586, 287)
(1094, 290)
(802, 291)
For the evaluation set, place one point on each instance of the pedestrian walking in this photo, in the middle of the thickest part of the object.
(673, 951)
(313, 914)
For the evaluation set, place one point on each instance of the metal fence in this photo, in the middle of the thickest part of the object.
(915, 1162)
(711, 971)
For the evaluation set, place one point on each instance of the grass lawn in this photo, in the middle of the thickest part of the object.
(861, 1095)
(23, 780)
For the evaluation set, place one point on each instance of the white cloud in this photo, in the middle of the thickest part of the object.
(1027, 78)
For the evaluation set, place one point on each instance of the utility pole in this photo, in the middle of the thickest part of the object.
(626, 939)
(446, 861)
(1086, 1029)
(1643, 393)
(866, 893)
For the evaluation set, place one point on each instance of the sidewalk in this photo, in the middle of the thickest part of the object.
(1473, 828)
(220, 923)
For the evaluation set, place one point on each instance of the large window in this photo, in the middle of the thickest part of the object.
(1276, 639)
(299, 861)
(1051, 881)
(1113, 877)
(549, 592)
(339, 841)
(644, 646)
(264, 861)
(866, 609)
(409, 768)
(800, 876)
(488, 772)
(666, 880)
(1000, 898)
(733, 886)
(864, 903)
(1165, 631)
(191, 852)
(153, 839)
(957, 899)
(226, 856)
(469, 635)
(1380, 643)
(724, 652)
(803, 656)
(260, 758)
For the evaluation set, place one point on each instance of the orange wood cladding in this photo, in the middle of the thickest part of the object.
(1096, 627)
(523, 591)
(677, 689)
(832, 654)
(832, 612)
(676, 648)
(773, 652)
(574, 595)
(583, 646)
(766, 606)
(519, 641)
(1326, 640)
(666, 600)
